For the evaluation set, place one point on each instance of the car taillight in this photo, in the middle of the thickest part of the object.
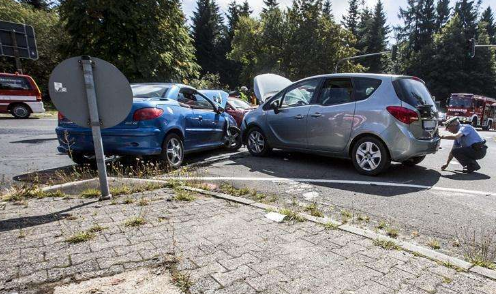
(147, 113)
(404, 115)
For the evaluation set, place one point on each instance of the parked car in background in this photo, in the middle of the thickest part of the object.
(238, 108)
(19, 95)
(166, 121)
(372, 119)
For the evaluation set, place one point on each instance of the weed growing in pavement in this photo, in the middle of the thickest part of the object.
(346, 216)
(231, 190)
(479, 246)
(183, 195)
(363, 218)
(392, 232)
(447, 280)
(331, 226)
(20, 193)
(96, 228)
(80, 237)
(314, 210)
(434, 244)
(182, 281)
(386, 244)
(452, 266)
(415, 234)
(292, 215)
(143, 202)
(22, 234)
(90, 193)
(135, 222)
(128, 200)
(382, 225)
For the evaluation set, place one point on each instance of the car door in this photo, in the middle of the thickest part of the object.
(191, 121)
(212, 124)
(330, 120)
(288, 124)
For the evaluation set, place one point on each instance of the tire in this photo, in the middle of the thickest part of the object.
(233, 139)
(173, 151)
(370, 157)
(474, 122)
(257, 143)
(485, 128)
(21, 111)
(413, 161)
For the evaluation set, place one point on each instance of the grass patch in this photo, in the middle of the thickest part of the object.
(91, 193)
(386, 244)
(183, 195)
(135, 222)
(24, 192)
(80, 237)
(331, 226)
(95, 229)
(447, 280)
(392, 232)
(231, 190)
(128, 200)
(314, 210)
(479, 246)
(434, 244)
(346, 216)
(120, 190)
(382, 225)
(363, 218)
(143, 202)
(292, 215)
(182, 281)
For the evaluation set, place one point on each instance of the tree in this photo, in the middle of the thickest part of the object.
(327, 9)
(377, 39)
(427, 23)
(443, 12)
(363, 30)
(49, 34)
(352, 18)
(269, 4)
(38, 4)
(207, 35)
(245, 9)
(467, 11)
(490, 25)
(147, 40)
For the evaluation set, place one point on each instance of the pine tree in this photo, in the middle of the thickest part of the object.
(38, 4)
(378, 37)
(488, 19)
(245, 9)
(467, 12)
(363, 30)
(327, 9)
(207, 35)
(269, 4)
(427, 23)
(443, 12)
(409, 33)
(232, 16)
(352, 18)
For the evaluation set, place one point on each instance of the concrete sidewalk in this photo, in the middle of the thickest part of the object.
(222, 246)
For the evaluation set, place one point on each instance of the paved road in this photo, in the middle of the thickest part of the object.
(27, 146)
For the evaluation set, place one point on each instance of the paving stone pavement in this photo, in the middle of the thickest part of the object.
(223, 247)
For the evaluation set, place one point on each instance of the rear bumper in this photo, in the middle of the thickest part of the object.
(36, 107)
(142, 141)
(403, 145)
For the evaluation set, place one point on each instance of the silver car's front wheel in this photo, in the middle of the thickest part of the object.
(257, 143)
(370, 156)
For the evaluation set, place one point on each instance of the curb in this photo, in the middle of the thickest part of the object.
(407, 246)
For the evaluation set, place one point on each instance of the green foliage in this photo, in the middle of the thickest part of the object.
(49, 34)
(207, 81)
(147, 40)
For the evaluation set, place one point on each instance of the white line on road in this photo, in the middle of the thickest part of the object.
(324, 181)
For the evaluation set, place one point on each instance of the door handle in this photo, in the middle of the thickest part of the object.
(317, 114)
(200, 117)
(299, 116)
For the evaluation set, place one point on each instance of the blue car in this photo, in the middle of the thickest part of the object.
(166, 121)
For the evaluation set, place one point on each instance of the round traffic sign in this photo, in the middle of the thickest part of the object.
(68, 92)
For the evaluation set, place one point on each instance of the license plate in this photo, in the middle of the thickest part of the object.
(429, 124)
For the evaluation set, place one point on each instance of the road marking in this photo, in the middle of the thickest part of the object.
(323, 181)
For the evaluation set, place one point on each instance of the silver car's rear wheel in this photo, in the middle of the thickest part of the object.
(370, 156)
(257, 143)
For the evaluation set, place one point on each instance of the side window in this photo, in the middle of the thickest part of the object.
(300, 95)
(202, 103)
(14, 83)
(365, 87)
(277, 98)
(336, 91)
(185, 100)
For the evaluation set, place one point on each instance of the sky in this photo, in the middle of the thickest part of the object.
(339, 7)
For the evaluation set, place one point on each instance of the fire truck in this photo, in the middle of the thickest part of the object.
(472, 109)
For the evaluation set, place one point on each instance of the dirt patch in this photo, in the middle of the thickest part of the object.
(142, 281)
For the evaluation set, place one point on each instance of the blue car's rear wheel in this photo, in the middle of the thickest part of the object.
(173, 151)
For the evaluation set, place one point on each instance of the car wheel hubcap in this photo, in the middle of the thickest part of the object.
(20, 111)
(256, 142)
(232, 137)
(368, 156)
(174, 151)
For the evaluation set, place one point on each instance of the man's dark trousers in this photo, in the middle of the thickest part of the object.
(467, 156)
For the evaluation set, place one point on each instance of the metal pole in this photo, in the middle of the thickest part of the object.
(95, 125)
(16, 52)
(485, 46)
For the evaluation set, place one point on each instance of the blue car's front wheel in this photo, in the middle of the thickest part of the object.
(173, 151)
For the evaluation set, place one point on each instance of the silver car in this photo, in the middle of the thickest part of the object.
(372, 119)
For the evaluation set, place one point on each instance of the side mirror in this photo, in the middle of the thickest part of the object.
(220, 109)
(274, 106)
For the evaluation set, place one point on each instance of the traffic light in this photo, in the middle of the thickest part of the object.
(471, 47)
(394, 53)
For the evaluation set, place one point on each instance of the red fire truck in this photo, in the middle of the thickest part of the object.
(473, 109)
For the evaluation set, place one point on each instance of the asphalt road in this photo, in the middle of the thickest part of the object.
(30, 145)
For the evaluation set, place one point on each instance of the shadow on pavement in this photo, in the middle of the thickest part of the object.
(34, 141)
(460, 176)
(31, 221)
(296, 165)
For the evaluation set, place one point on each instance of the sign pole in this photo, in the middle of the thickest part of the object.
(16, 52)
(89, 82)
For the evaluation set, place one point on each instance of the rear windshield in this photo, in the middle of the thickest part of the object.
(14, 83)
(239, 104)
(413, 92)
(460, 102)
(149, 91)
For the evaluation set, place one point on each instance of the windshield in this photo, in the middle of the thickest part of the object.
(239, 104)
(460, 102)
(149, 91)
(413, 92)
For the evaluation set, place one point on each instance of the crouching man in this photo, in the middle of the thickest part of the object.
(468, 146)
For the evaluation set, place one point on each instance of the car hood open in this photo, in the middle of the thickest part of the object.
(267, 85)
